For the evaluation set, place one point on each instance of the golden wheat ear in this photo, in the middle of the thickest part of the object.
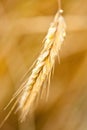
(41, 73)
(39, 80)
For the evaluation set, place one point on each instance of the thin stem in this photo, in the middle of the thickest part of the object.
(59, 4)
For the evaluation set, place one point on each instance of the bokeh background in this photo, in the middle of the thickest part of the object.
(23, 26)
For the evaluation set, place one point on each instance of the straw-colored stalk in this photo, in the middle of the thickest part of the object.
(40, 76)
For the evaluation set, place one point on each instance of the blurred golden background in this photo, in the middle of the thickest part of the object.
(23, 26)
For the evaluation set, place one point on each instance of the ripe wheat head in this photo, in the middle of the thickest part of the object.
(28, 94)
(41, 73)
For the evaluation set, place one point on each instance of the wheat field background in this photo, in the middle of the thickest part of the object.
(23, 26)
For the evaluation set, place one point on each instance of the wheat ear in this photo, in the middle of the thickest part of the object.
(39, 79)
(40, 75)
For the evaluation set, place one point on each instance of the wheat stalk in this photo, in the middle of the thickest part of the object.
(40, 76)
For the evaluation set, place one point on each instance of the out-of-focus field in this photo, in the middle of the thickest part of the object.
(23, 25)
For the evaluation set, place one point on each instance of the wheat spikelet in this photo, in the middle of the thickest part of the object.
(39, 79)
